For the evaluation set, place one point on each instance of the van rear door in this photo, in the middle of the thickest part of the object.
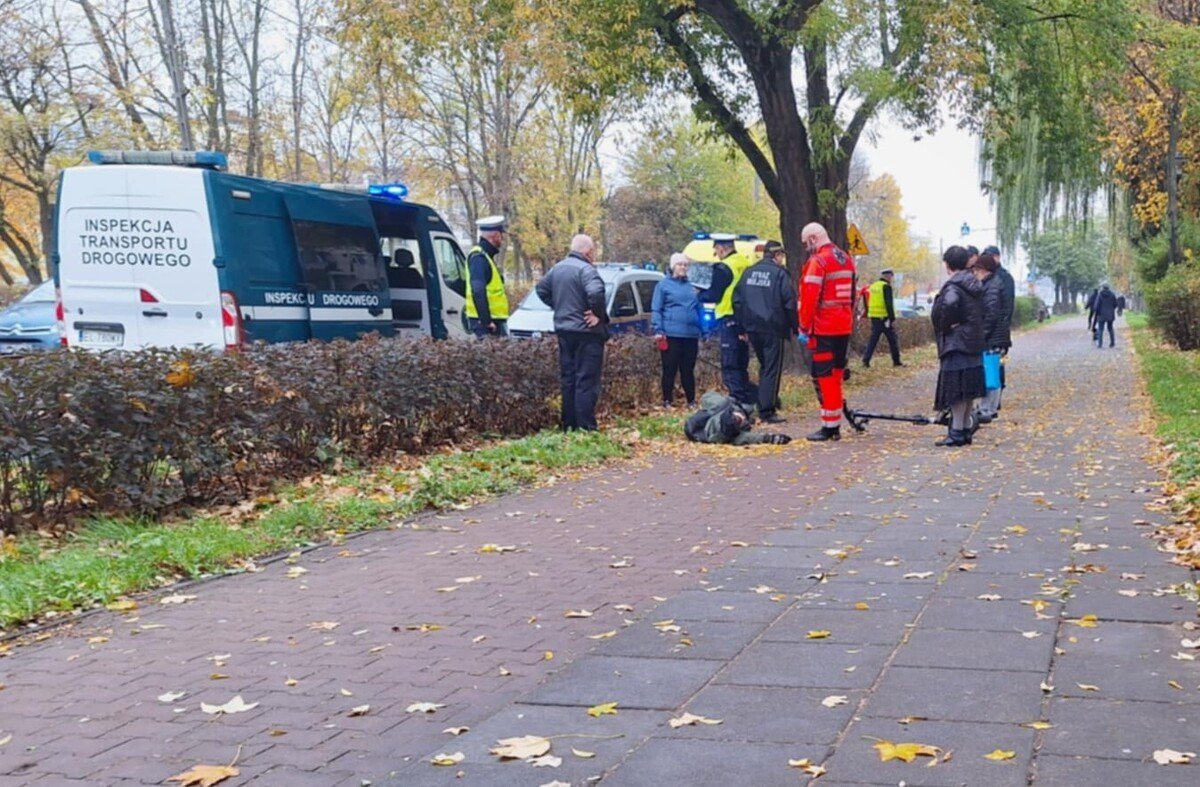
(136, 255)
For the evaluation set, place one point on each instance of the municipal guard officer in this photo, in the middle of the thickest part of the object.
(487, 302)
(764, 303)
(735, 348)
(881, 308)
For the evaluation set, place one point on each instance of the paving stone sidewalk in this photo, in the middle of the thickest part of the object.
(747, 552)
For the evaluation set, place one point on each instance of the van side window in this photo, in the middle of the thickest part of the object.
(452, 263)
(339, 257)
(623, 304)
(645, 289)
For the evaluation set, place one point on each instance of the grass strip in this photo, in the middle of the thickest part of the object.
(108, 558)
(1173, 381)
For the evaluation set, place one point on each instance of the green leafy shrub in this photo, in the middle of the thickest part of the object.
(1025, 310)
(1173, 304)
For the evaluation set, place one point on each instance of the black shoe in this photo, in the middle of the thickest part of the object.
(773, 419)
(898, 363)
(691, 404)
(954, 439)
(984, 418)
(866, 364)
(825, 433)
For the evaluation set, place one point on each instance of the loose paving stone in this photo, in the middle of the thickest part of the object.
(845, 626)
(992, 650)
(1128, 661)
(1056, 771)
(699, 639)
(987, 614)
(1119, 729)
(703, 763)
(801, 665)
(981, 695)
(633, 682)
(719, 605)
(856, 758)
(1108, 604)
(768, 715)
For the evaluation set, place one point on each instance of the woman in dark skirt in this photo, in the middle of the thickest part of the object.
(957, 316)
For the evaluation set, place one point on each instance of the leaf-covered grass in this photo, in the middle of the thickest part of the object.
(1173, 380)
(108, 558)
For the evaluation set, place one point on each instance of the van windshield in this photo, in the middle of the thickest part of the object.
(43, 293)
(533, 303)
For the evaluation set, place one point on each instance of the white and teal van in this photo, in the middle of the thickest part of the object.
(162, 249)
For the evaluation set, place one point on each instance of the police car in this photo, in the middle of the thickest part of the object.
(628, 291)
(166, 249)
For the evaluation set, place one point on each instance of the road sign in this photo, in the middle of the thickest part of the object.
(854, 239)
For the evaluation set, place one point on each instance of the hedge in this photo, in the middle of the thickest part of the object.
(140, 432)
(1173, 305)
(912, 332)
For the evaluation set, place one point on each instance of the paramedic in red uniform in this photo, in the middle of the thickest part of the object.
(827, 290)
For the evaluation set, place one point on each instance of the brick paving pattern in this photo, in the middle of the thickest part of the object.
(746, 551)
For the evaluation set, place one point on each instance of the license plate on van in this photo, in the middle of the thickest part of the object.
(103, 338)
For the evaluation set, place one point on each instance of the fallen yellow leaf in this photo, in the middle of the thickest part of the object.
(1086, 622)
(690, 719)
(1038, 725)
(548, 655)
(521, 748)
(905, 751)
(204, 775)
(448, 759)
(605, 635)
(1088, 687)
(862, 605)
(821, 634)
(1172, 757)
(1000, 755)
(586, 755)
(360, 710)
(604, 709)
(122, 605)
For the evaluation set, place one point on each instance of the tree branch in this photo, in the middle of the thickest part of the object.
(721, 114)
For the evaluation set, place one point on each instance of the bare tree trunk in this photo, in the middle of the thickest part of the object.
(113, 74)
(297, 84)
(174, 59)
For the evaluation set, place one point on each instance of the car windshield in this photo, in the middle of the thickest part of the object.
(533, 303)
(43, 293)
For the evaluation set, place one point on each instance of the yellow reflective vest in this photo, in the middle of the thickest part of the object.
(497, 298)
(876, 306)
(737, 264)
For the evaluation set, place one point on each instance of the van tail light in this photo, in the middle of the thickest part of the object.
(60, 315)
(146, 296)
(231, 321)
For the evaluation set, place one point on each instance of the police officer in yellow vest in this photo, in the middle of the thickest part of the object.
(735, 346)
(881, 309)
(487, 302)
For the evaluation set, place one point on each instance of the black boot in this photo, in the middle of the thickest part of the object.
(825, 433)
(953, 439)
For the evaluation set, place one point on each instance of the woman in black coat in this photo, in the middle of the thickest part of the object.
(997, 335)
(958, 324)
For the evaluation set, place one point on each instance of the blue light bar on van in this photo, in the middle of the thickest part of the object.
(700, 236)
(178, 158)
(388, 190)
(750, 236)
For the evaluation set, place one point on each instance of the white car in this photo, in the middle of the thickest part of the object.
(628, 292)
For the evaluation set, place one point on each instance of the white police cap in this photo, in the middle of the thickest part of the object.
(723, 237)
(491, 224)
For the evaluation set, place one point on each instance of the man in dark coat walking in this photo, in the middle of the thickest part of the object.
(764, 305)
(1106, 312)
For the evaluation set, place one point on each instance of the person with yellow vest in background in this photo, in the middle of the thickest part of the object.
(881, 308)
(735, 345)
(487, 302)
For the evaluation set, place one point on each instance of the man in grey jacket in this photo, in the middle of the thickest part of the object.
(574, 290)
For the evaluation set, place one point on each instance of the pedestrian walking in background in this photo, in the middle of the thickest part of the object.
(998, 334)
(958, 325)
(675, 319)
(764, 304)
(1121, 304)
(827, 290)
(1106, 312)
(1090, 305)
(575, 291)
(487, 301)
(735, 350)
(881, 309)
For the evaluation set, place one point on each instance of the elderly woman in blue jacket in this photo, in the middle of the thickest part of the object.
(676, 322)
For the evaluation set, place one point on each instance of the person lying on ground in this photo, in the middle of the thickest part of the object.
(722, 420)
